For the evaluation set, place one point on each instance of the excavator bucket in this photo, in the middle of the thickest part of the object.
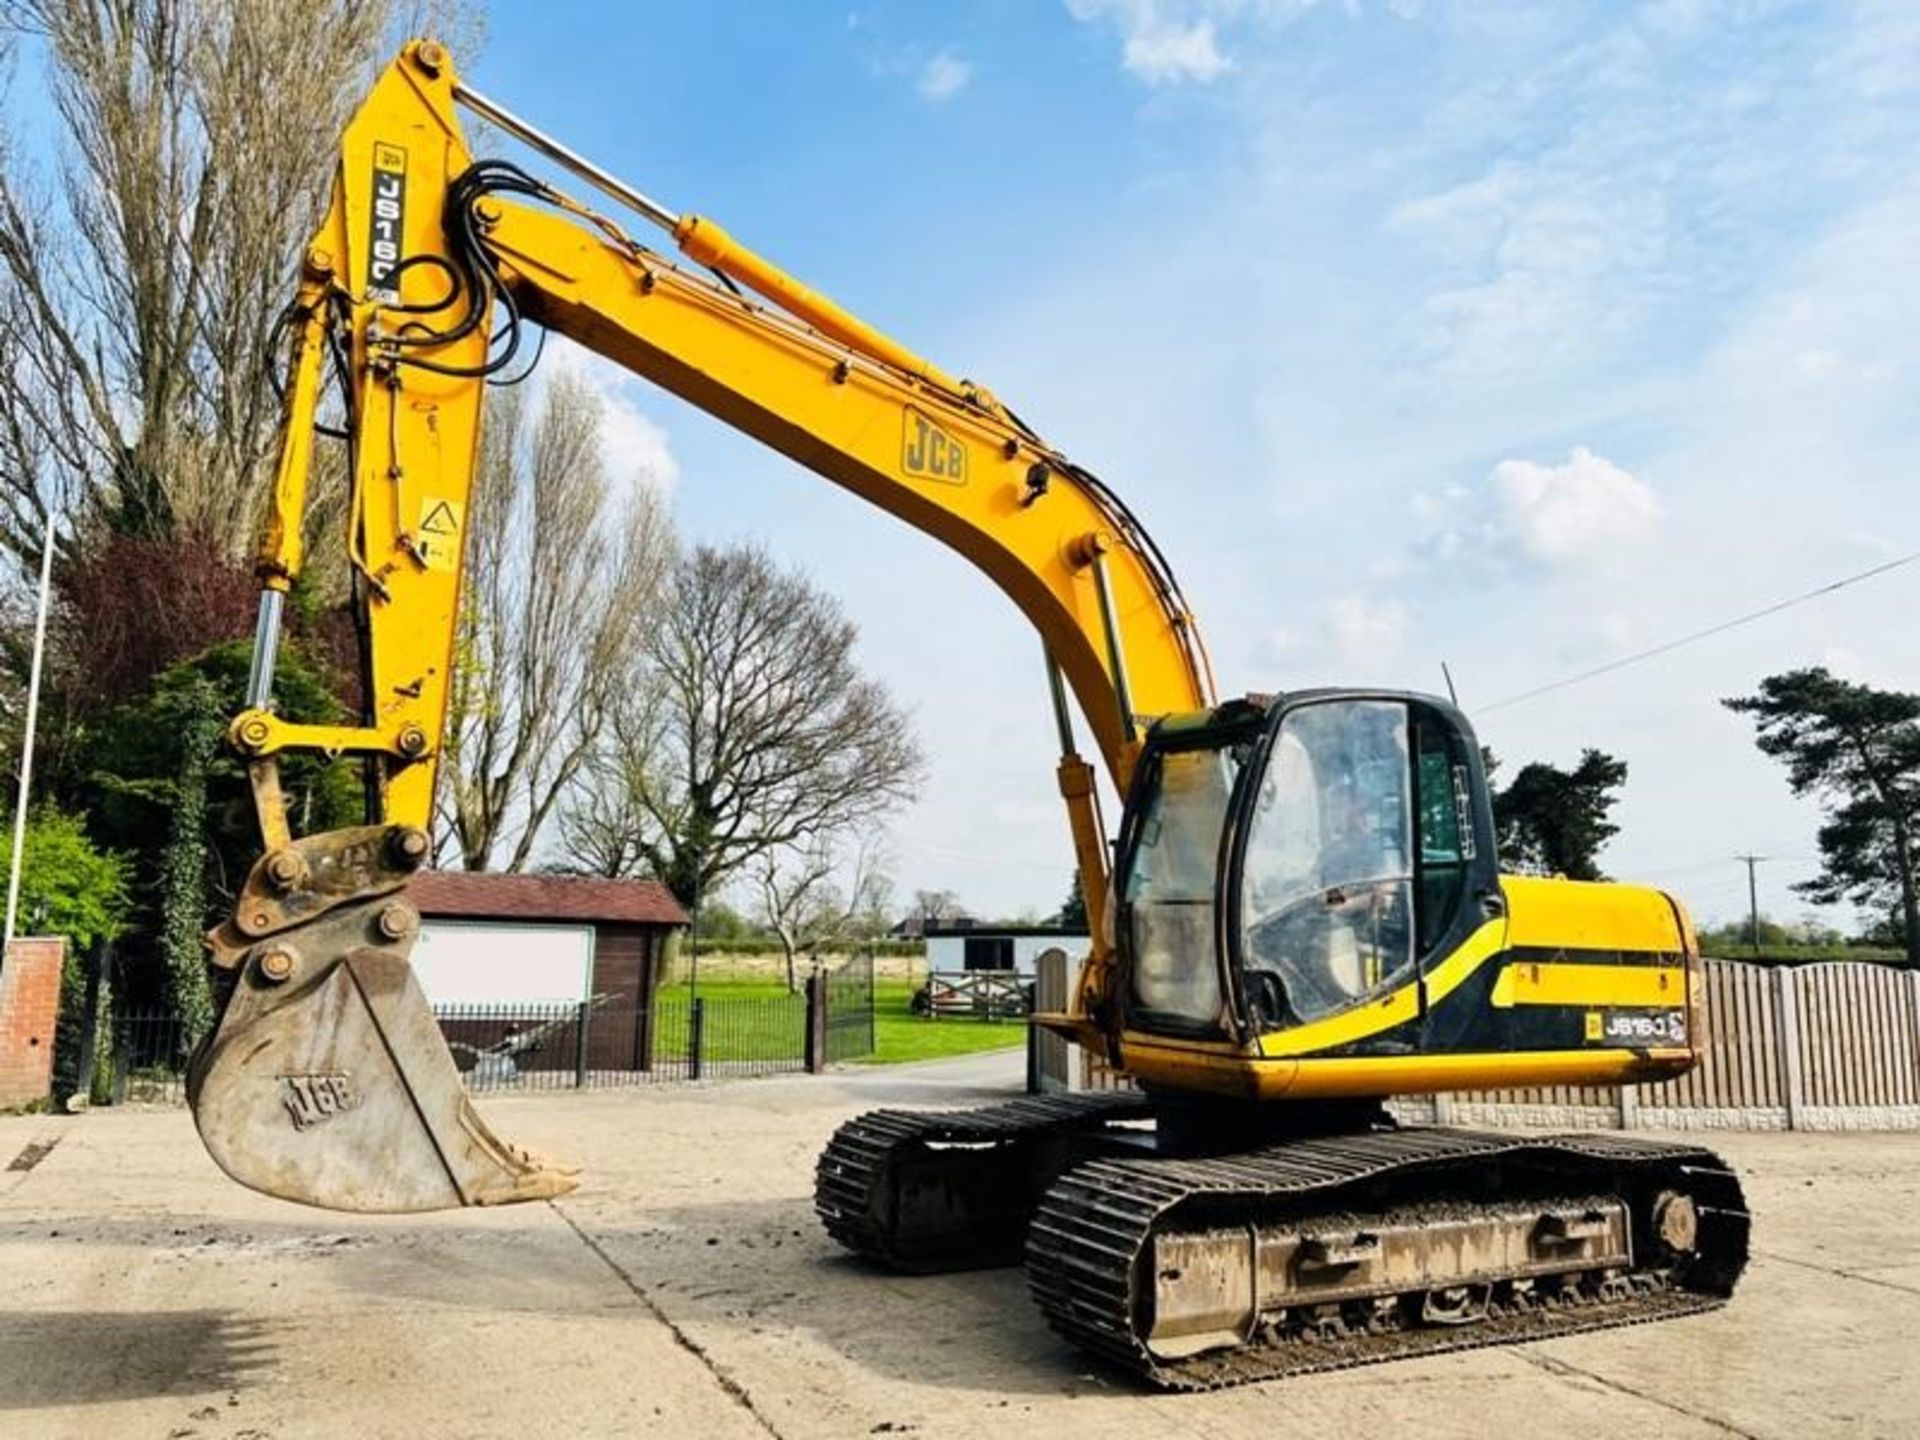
(327, 1080)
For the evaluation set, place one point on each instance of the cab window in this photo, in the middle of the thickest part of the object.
(1445, 808)
(1170, 885)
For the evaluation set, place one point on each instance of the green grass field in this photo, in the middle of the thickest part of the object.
(899, 1035)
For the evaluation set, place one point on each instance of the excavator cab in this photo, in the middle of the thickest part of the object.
(1287, 861)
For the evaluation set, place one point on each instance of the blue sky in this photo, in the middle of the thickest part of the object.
(1513, 337)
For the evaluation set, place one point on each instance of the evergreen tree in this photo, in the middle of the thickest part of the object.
(1073, 910)
(1554, 822)
(1858, 749)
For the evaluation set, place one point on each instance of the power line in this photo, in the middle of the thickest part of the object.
(1698, 867)
(1711, 630)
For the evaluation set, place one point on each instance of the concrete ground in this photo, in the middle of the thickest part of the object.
(686, 1290)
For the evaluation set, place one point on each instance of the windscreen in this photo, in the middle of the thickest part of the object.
(1326, 895)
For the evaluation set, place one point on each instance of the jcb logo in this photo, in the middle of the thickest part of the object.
(386, 221)
(315, 1099)
(930, 451)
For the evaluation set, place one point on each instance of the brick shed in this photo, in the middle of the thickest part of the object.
(490, 939)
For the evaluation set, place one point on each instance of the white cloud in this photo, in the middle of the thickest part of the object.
(1544, 264)
(1364, 632)
(944, 76)
(1172, 42)
(1167, 54)
(635, 446)
(1278, 646)
(1571, 513)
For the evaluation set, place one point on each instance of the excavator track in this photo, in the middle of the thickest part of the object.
(953, 1190)
(1321, 1254)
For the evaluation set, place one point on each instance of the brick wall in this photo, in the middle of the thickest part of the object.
(29, 1004)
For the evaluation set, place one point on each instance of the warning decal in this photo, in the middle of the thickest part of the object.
(438, 540)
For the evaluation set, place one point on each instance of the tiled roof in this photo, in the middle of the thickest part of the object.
(466, 895)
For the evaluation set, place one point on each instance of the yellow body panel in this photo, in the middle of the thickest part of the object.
(1195, 1068)
(1590, 915)
(1560, 943)
(1526, 982)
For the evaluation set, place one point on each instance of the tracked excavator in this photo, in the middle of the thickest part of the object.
(1302, 916)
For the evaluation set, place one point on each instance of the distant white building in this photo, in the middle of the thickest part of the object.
(976, 945)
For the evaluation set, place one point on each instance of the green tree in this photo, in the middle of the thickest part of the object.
(1554, 822)
(1858, 750)
(721, 921)
(183, 860)
(1073, 910)
(1735, 938)
(71, 888)
(164, 790)
(68, 885)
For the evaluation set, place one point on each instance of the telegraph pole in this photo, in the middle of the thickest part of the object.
(26, 745)
(1753, 897)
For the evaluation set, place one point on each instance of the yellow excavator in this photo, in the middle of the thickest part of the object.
(1302, 916)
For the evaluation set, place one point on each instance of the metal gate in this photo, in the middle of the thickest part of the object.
(849, 1006)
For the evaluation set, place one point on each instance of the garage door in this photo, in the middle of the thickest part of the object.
(477, 962)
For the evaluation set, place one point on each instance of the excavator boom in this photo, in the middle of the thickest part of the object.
(416, 290)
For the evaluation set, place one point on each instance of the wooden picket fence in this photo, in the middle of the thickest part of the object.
(1812, 1047)
(982, 994)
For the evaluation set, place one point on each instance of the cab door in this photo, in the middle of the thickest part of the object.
(1456, 877)
(1363, 861)
(1325, 880)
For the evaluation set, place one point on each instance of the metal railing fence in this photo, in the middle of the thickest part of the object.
(589, 1044)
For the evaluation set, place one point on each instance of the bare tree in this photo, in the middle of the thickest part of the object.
(754, 731)
(560, 577)
(139, 289)
(602, 821)
(936, 907)
(810, 896)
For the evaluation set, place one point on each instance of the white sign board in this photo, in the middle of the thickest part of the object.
(487, 962)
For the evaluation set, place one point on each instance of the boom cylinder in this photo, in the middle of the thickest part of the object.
(266, 648)
(567, 159)
(1116, 653)
(705, 242)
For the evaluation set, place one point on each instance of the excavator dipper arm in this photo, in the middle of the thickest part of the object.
(327, 1080)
